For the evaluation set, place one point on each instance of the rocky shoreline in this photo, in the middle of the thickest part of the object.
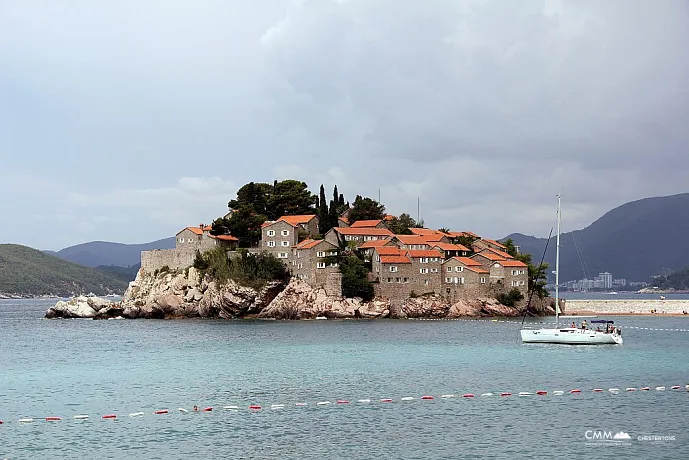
(188, 295)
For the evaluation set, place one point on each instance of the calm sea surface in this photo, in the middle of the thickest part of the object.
(69, 367)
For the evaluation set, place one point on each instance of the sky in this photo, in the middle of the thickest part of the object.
(127, 121)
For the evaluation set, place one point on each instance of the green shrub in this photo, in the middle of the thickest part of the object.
(511, 298)
(355, 278)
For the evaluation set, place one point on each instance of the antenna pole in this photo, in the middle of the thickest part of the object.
(418, 210)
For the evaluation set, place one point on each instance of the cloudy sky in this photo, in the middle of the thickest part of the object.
(126, 121)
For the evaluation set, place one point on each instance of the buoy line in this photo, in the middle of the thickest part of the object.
(425, 398)
(546, 323)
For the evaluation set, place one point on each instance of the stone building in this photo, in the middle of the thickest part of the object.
(463, 278)
(412, 242)
(426, 270)
(483, 243)
(449, 250)
(366, 249)
(356, 236)
(396, 272)
(278, 237)
(313, 261)
(511, 274)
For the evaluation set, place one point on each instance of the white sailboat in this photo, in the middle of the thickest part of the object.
(569, 335)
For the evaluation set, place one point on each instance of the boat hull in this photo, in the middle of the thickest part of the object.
(569, 336)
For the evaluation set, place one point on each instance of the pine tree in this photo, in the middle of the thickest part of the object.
(323, 213)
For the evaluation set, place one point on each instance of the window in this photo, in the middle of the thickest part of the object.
(424, 260)
(459, 269)
(294, 263)
(393, 269)
(434, 270)
(321, 265)
(425, 282)
(284, 244)
(406, 280)
(271, 232)
(389, 280)
(181, 240)
(521, 283)
(423, 271)
(448, 280)
(332, 253)
(320, 254)
(271, 244)
(285, 233)
(300, 266)
(188, 240)
(333, 264)
(449, 269)
(282, 255)
(483, 280)
(397, 280)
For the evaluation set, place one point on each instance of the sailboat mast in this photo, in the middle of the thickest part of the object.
(557, 264)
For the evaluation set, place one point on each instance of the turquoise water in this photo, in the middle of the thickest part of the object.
(69, 367)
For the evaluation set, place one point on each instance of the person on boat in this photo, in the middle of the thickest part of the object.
(574, 325)
(583, 325)
(196, 408)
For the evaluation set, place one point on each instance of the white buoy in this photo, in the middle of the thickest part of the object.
(407, 398)
(277, 406)
(525, 393)
(487, 394)
(447, 396)
(660, 388)
(614, 390)
(81, 417)
(368, 400)
(136, 414)
(231, 407)
(323, 403)
(558, 392)
(183, 410)
(25, 420)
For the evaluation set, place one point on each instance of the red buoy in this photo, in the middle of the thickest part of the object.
(542, 392)
(255, 407)
(342, 401)
(646, 389)
(386, 400)
(575, 391)
(53, 419)
(506, 393)
(161, 411)
(675, 387)
(109, 416)
(207, 409)
(597, 390)
(468, 395)
(427, 397)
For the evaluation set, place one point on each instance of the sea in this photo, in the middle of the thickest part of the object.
(365, 370)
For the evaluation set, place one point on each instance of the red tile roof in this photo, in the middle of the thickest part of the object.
(512, 263)
(389, 251)
(450, 247)
(469, 262)
(224, 237)
(497, 243)
(395, 260)
(374, 244)
(460, 234)
(433, 238)
(310, 243)
(267, 223)
(500, 253)
(489, 255)
(425, 231)
(367, 231)
(196, 230)
(299, 219)
(411, 239)
(366, 223)
(418, 253)
(478, 270)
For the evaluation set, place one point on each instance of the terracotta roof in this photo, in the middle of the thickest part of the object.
(343, 219)
(267, 223)
(302, 244)
(363, 231)
(424, 253)
(296, 220)
(450, 247)
(374, 244)
(467, 261)
(424, 231)
(311, 243)
(497, 243)
(411, 239)
(395, 260)
(511, 263)
(478, 270)
(389, 251)
(459, 234)
(366, 223)
(489, 255)
(434, 238)
(500, 253)
(224, 237)
(196, 230)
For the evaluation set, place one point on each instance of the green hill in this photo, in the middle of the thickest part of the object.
(27, 271)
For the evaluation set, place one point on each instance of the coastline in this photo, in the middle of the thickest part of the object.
(626, 307)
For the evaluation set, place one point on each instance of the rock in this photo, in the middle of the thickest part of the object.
(78, 307)
(111, 311)
(170, 304)
(431, 306)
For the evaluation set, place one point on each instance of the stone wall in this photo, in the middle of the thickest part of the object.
(333, 284)
(176, 259)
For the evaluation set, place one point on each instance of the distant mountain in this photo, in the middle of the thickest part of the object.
(97, 253)
(636, 241)
(27, 271)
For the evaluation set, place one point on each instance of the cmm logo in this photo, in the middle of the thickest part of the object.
(594, 435)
